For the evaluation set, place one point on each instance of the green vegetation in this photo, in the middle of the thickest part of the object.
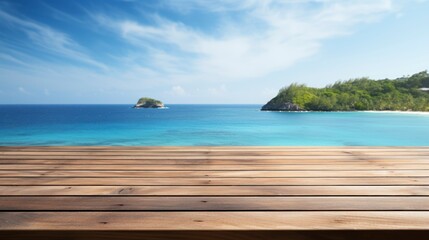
(404, 94)
(146, 102)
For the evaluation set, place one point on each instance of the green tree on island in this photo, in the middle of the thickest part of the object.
(402, 94)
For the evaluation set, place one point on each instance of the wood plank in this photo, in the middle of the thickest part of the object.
(226, 157)
(213, 203)
(207, 188)
(214, 167)
(214, 174)
(217, 190)
(53, 181)
(306, 162)
(219, 235)
(291, 220)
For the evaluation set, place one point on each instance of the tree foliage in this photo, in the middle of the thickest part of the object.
(149, 101)
(403, 94)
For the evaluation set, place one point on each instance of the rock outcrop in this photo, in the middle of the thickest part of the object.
(271, 106)
(145, 102)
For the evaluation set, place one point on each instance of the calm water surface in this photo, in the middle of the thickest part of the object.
(205, 125)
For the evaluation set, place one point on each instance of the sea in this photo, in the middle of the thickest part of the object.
(205, 125)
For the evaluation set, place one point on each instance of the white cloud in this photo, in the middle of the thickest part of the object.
(269, 36)
(62, 16)
(186, 6)
(12, 59)
(178, 90)
(249, 42)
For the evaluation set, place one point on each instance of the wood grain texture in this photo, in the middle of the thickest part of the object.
(217, 190)
(220, 192)
(302, 162)
(219, 235)
(422, 156)
(214, 167)
(213, 174)
(94, 203)
(290, 220)
(99, 181)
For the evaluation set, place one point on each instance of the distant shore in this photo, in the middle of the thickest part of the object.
(406, 112)
(366, 111)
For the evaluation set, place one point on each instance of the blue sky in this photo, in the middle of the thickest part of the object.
(191, 51)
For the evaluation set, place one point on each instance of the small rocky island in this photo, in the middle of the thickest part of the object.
(363, 94)
(146, 102)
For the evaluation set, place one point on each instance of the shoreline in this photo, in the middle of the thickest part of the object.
(365, 111)
(402, 112)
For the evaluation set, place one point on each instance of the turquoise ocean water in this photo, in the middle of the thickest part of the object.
(205, 125)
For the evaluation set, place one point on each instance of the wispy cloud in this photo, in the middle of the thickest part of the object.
(269, 36)
(9, 58)
(50, 40)
(61, 15)
(186, 6)
(169, 49)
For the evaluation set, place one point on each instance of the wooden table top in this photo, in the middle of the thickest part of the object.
(213, 188)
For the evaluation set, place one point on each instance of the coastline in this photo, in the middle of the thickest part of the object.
(402, 112)
(366, 111)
